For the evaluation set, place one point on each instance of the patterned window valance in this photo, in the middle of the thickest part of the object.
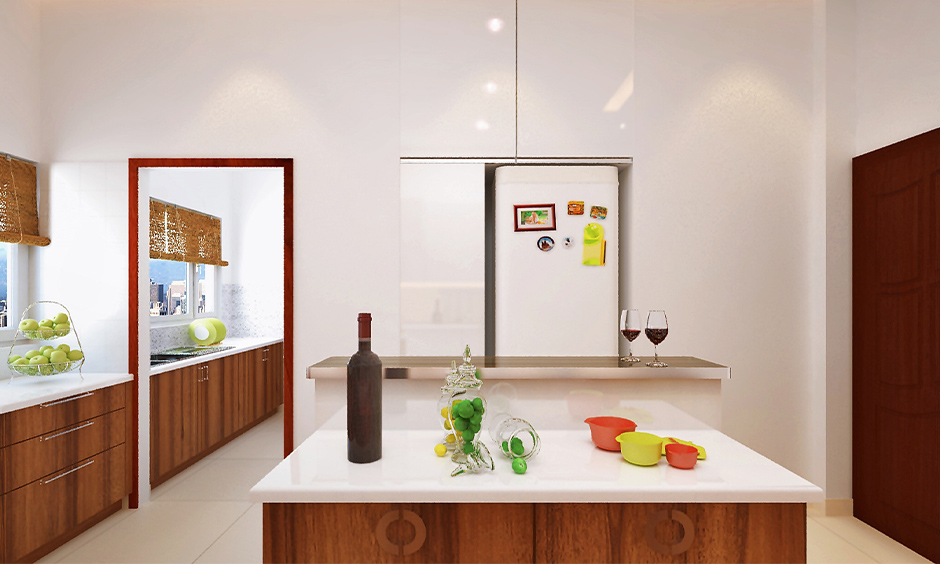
(184, 235)
(19, 218)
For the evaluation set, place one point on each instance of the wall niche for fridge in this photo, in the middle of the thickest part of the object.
(449, 275)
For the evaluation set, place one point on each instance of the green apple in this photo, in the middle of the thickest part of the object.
(32, 353)
(39, 360)
(75, 354)
(62, 329)
(48, 353)
(20, 361)
(63, 347)
(29, 325)
(58, 357)
(13, 358)
(46, 332)
(45, 323)
(46, 348)
(60, 318)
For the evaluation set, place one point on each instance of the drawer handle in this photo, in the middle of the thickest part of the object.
(66, 400)
(64, 474)
(72, 430)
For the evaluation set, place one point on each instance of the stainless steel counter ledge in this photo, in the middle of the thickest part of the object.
(533, 367)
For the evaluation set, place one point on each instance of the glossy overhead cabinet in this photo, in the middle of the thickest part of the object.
(196, 409)
(575, 72)
(458, 78)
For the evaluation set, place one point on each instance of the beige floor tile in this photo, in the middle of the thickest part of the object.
(825, 547)
(63, 551)
(221, 479)
(871, 541)
(241, 543)
(162, 531)
(257, 443)
(158, 492)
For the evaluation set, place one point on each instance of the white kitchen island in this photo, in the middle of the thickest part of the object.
(575, 503)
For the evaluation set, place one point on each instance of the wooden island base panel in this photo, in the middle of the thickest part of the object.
(534, 532)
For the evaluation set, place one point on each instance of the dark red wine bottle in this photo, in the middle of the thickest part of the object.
(364, 399)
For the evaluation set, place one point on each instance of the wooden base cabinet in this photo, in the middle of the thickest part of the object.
(196, 409)
(66, 468)
(534, 532)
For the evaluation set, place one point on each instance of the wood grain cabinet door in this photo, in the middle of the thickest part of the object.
(212, 402)
(46, 510)
(256, 385)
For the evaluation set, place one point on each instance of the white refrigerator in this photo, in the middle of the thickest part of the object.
(556, 266)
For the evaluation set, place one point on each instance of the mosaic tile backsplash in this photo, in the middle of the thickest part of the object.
(242, 315)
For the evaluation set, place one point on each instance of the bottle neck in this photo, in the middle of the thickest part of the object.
(365, 344)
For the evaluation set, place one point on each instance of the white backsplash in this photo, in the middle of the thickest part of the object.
(243, 317)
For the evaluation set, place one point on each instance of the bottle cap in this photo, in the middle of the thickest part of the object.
(365, 325)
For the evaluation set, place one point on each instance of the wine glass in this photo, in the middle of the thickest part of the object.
(656, 329)
(630, 328)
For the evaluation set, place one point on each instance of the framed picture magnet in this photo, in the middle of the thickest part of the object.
(534, 217)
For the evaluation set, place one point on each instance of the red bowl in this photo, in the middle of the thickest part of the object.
(681, 456)
(604, 431)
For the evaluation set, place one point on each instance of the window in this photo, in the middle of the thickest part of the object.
(13, 287)
(178, 289)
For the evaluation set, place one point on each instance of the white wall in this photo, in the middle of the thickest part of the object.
(720, 228)
(19, 79)
(722, 234)
(898, 72)
(315, 81)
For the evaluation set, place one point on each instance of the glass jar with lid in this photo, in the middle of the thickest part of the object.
(463, 408)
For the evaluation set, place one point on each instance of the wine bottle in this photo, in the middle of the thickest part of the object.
(364, 398)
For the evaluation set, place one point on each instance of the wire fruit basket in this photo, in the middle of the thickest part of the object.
(27, 366)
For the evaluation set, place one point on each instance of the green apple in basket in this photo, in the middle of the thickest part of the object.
(58, 357)
(29, 325)
(62, 329)
(13, 358)
(75, 355)
(45, 323)
(60, 318)
(32, 353)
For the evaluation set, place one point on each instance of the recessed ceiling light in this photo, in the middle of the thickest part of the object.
(495, 25)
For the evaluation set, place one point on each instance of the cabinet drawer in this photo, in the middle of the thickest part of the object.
(28, 460)
(49, 508)
(30, 422)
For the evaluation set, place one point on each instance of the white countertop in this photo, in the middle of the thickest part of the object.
(27, 391)
(241, 345)
(568, 469)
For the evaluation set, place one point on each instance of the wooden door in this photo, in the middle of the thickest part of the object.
(896, 341)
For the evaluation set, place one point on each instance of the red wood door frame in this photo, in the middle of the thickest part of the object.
(134, 166)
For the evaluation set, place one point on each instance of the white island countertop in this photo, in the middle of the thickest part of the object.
(568, 469)
(240, 344)
(27, 391)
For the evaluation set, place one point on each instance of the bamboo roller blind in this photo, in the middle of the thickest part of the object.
(184, 235)
(19, 218)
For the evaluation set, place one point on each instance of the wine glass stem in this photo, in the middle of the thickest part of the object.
(655, 353)
(630, 350)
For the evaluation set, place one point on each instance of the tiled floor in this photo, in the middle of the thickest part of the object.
(203, 515)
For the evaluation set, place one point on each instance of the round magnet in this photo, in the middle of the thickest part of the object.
(567, 241)
(546, 244)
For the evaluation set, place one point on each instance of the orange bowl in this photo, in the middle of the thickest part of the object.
(681, 456)
(604, 430)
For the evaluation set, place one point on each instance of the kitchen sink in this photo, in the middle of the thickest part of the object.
(182, 353)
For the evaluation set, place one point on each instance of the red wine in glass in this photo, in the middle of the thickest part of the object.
(655, 335)
(631, 334)
(630, 329)
(656, 330)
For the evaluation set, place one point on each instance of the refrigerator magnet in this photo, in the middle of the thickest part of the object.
(546, 244)
(598, 212)
(534, 217)
(575, 208)
(567, 241)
